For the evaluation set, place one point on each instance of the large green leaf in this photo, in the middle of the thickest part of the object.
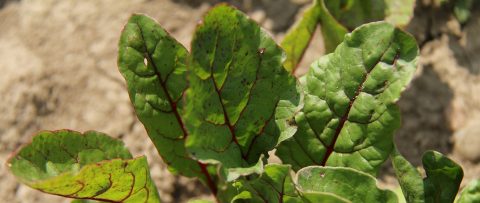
(344, 184)
(409, 178)
(154, 66)
(349, 114)
(274, 185)
(471, 193)
(240, 98)
(443, 177)
(84, 166)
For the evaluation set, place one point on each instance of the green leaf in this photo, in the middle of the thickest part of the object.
(471, 193)
(345, 183)
(399, 12)
(409, 178)
(443, 177)
(353, 13)
(154, 67)
(240, 97)
(462, 10)
(441, 184)
(84, 166)
(349, 113)
(314, 197)
(298, 38)
(274, 185)
(333, 32)
(200, 201)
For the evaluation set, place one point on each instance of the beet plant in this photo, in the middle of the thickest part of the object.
(216, 111)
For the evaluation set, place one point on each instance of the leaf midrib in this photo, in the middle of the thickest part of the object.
(173, 106)
(344, 118)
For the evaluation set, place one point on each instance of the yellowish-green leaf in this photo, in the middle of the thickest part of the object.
(83, 166)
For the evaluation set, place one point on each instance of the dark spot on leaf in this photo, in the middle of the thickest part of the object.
(261, 50)
(291, 122)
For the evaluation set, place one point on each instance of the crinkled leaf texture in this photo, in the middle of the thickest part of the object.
(83, 166)
(471, 193)
(154, 66)
(240, 99)
(349, 114)
(339, 184)
(274, 185)
(234, 108)
(441, 184)
(313, 184)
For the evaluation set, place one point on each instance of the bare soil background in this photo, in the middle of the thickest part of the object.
(58, 70)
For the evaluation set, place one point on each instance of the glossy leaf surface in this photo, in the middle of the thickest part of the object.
(344, 184)
(443, 177)
(349, 113)
(441, 184)
(240, 97)
(84, 166)
(154, 66)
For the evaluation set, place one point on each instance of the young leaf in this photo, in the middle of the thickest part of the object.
(471, 193)
(409, 178)
(240, 96)
(333, 32)
(353, 13)
(83, 166)
(443, 177)
(298, 38)
(154, 66)
(441, 184)
(274, 185)
(346, 184)
(349, 113)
